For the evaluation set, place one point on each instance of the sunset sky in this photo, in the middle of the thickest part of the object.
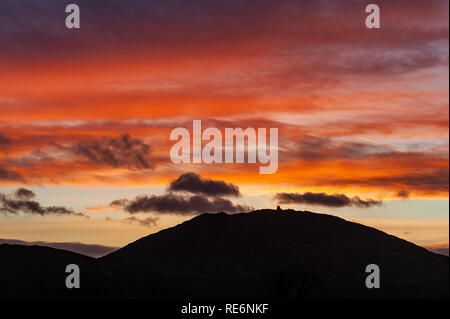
(86, 114)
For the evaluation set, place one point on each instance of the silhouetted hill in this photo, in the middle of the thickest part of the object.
(277, 254)
(265, 253)
(36, 271)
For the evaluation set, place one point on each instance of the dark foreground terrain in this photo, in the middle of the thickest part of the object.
(263, 254)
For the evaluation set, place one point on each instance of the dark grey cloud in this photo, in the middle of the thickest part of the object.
(180, 204)
(122, 151)
(6, 174)
(20, 202)
(23, 193)
(36, 155)
(92, 250)
(147, 222)
(322, 199)
(5, 142)
(403, 193)
(194, 183)
(358, 202)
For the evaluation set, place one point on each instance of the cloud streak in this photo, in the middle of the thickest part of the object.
(425, 180)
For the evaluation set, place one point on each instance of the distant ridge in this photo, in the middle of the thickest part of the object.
(91, 250)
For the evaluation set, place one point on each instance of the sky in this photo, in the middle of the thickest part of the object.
(86, 114)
